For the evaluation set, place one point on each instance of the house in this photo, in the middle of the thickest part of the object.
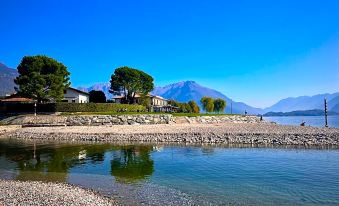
(73, 95)
(158, 104)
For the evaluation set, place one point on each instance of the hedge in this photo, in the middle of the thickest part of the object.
(69, 107)
(98, 107)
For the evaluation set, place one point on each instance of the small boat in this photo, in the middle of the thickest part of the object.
(82, 154)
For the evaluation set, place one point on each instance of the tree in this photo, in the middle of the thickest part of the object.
(42, 78)
(97, 96)
(207, 104)
(130, 81)
(219, 105)
(194, 106)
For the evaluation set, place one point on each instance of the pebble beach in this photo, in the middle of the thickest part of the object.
(41, 193)
(226, 133)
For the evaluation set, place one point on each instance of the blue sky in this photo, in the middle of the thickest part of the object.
(253, 51)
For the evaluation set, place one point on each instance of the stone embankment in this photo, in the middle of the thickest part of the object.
(137, 119)
(39, 193)
(225, 133)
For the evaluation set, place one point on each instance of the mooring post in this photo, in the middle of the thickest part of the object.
(325, 104)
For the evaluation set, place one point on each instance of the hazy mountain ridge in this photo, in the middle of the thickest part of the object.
(305, 103)
(313, 112)
(7, 76)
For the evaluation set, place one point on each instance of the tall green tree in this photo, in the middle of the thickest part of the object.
(42, 78)
(130, 81)
(194, 106)
(207, 104)
(219, 105)
(97, 96)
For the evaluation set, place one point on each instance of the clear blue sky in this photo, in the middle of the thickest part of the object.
(253, 51)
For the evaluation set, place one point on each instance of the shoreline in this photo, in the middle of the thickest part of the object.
(14, 192)
(221, 133)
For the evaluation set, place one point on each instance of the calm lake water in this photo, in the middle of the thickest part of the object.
(317, 121)
(181, 175)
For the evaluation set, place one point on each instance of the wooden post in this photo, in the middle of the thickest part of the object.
(325, 104)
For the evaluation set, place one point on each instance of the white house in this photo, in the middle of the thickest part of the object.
(72, 95)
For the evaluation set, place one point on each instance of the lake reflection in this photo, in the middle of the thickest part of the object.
(144, 174)
(53, 162)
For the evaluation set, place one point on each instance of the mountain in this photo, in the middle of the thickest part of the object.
(105, 87)
(304, 103)
(334, 104)
(7, 76)
(313, 112)
(190, 90)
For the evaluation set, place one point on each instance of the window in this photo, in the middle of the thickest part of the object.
(65, 91)
(73, 100)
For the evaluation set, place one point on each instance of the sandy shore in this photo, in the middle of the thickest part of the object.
(39, 193)
(248, 133)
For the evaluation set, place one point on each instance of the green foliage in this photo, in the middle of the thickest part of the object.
(219, 105)
(190, 107)
(130, 81)
(207, 104)
(42, 78)
(98, 107)
(145, 101)
(97, 96)
(194, 107)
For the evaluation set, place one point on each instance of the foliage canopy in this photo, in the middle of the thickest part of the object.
(129, 82)
(42, 78)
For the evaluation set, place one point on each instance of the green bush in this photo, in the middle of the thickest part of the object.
(12, 107)
(98, 107)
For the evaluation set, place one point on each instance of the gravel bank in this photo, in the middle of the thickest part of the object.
(39, 193)
(244, 133)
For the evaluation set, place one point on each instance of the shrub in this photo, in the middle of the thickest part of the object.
(69, 107)
(98, 107)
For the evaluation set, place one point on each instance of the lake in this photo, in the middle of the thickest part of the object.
(316, 121)
(147, 174)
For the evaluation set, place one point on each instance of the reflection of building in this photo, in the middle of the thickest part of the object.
(158, 103)
(72, 95)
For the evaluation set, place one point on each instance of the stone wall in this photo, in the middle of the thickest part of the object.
(136, 119)
(94, 120)
(118, 119)
(217, 119)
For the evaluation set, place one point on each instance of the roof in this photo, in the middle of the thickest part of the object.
(77, 90)
(17, 99)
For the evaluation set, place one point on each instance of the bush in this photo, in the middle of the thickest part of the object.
(69, 107)
(98, 107)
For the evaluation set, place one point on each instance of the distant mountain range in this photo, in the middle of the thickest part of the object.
(313, 112)
(190, 90)
(306, 103)
(7, 76)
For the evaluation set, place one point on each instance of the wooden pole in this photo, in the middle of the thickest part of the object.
(325, 104)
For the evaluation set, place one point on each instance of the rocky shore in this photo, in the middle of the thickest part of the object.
(40, 193)
(225, 133)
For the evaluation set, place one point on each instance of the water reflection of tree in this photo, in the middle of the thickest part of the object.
(50, 163)
(132, 164)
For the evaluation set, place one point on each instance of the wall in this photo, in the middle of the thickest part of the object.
(74, 95)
